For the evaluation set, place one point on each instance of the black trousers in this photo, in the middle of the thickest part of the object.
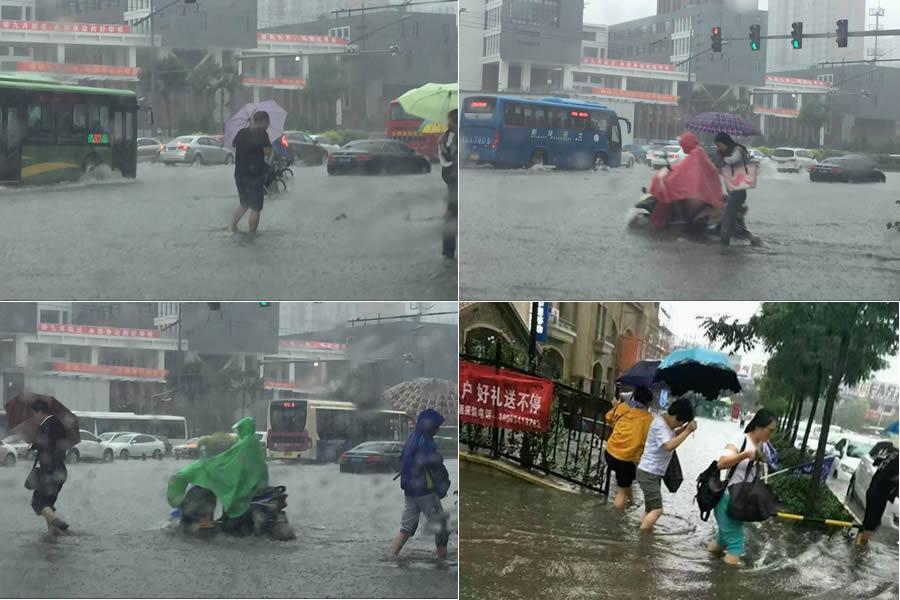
(450, 220)
(733, 220)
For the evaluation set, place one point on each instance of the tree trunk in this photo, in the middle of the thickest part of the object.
(799, 414)
(792, 408)
(812, 412)
(837, 376)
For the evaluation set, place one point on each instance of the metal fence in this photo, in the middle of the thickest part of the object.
(572, 447)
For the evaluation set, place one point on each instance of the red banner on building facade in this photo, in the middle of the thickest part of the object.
(291, 82)
(291, 38)
(503, 398)
(311, 345)
(60, 26)
(115, 370)
(98, 330)
(48, 67)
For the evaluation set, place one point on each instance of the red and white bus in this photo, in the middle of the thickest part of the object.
(414, 132)
(320, 430)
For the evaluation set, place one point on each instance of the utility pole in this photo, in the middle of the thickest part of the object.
(876, 12)
(690, 70)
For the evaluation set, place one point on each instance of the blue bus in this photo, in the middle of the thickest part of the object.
(510, 131)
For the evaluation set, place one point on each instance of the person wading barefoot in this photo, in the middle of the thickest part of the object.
(252, 149)
(50, 446)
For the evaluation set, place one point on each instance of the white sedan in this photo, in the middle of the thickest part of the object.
(89, 448)
(672, 154)
(849, 452)
(7, 455)
(136, 445)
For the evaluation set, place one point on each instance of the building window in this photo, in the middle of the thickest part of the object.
(534, 12)
(340, 32)
(590, 51)
(492, 45)
(11, 12)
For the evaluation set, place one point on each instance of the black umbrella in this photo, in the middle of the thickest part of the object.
(698, 370)
(640, 375)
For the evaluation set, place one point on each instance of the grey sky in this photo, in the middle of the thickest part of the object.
(684, 323)
(606, 12)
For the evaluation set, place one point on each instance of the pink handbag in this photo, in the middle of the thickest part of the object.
(739, 178)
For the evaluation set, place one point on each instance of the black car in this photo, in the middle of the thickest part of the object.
(851, 169)
(377, 157)
(304, 148)
(372, 457)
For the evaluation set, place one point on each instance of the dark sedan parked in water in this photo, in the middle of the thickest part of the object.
(851, 169)
(377, 157)
(304, 148)
(372, 457)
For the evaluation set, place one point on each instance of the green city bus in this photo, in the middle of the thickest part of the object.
(54, 131)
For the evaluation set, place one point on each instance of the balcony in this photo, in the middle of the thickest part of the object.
(562, 329)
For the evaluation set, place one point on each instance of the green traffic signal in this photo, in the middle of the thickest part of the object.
(265, 304)
(755, 37)
(797, 35)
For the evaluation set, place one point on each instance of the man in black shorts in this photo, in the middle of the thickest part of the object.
(251, 150)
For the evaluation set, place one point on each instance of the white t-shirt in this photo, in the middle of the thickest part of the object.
(656, 458)
(740, 472)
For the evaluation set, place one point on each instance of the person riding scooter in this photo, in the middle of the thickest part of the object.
(238, 478)
(688, 191)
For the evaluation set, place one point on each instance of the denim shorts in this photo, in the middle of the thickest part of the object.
(731, 533)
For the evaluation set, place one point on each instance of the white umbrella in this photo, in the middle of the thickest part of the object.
(244, 117)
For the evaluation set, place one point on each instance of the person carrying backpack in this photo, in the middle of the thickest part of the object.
(424, 481)
(626, 444)
(730, 536)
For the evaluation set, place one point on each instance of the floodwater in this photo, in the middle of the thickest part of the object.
(120, 544)
(525, 541)
(547, 234)
(164, 235)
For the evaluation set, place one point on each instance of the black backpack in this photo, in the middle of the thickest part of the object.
(711, 488)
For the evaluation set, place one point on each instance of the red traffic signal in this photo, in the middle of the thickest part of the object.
(716, 39)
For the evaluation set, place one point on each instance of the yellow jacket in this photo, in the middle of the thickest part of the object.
(630, 426)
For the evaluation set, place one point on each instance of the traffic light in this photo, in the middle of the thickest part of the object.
(797, 35)
(842, 28)
(395, 50)
(754, 37)
(716, 39)
(265, 304)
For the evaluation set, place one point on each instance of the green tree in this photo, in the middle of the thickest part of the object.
(814, 113)
(171, 80)
(849, 339)
(212, 392)
(324, 86)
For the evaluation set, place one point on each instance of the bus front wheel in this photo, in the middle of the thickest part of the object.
(537, 158)
(90, 163)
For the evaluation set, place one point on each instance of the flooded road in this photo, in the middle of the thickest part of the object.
(525, 541)
(120, 547)
(545, 234)
(163, 235)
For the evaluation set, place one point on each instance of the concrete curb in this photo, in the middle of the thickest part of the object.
(516, 472)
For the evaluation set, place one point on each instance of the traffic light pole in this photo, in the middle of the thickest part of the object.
(832, 34)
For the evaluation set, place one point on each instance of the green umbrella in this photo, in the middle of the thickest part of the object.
(432, 101)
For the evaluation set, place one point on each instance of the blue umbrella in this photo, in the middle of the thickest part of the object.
(714, 122)
(639, 375)
(705, 372)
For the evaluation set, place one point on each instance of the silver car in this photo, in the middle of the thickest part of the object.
(196, 150)
(149, 149)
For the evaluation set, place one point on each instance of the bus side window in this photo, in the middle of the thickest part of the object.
(513, 115)
(104, 119)
(118, 127)
(567, 122)
(129, 126)
(540, 117)
(80, 118)
(529, 116)
(557, 117)
(616, 135)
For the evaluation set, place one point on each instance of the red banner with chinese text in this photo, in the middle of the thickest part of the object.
(503, 398)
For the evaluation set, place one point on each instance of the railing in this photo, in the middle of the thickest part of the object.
(564, 324)
(572, 447)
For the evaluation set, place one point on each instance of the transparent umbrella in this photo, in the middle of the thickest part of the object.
(413, 396)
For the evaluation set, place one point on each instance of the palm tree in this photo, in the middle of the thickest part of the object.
(325, 85)
(171, 79)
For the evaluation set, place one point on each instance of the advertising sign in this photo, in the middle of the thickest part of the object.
(503, 398)
(98, 330)
(543, 320)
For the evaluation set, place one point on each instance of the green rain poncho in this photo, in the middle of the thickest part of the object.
(233, 476)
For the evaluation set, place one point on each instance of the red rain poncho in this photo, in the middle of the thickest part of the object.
(692, 178)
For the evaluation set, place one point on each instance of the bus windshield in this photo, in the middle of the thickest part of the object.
(288, 416)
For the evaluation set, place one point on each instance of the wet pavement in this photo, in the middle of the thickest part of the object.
(120, 545)
(525, 541)
(163, 235)
(542, 234)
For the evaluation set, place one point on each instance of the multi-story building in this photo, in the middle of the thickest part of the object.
(275, 13)
(817, 16)
(427, 52)
(594, 41)
(588, 345)
(523, 45)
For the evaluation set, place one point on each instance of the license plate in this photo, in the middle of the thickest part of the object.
(170, 147)
(473, 157)
(356, 459)
(345, 159)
